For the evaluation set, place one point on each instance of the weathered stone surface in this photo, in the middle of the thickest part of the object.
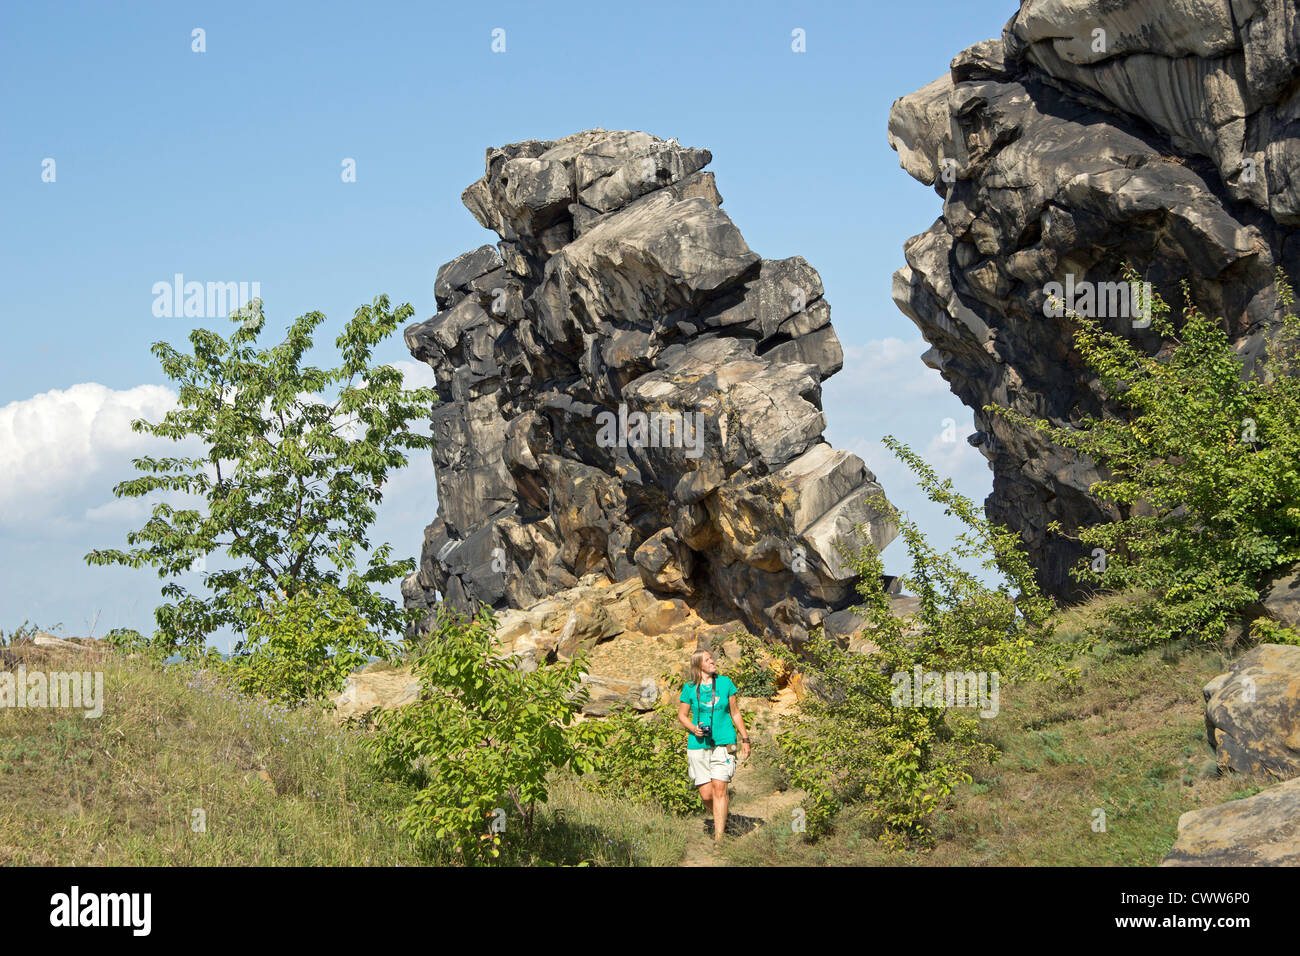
(631, 638)
(604, 694)
(1171, 145)
(378, 686)
(1280, 599)
(628, 390)
(51, 642)
(1252, 713)
(1263, 830)
(665, 562)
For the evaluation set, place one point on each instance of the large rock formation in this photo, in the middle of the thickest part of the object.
(1161, 133)
(627, 390)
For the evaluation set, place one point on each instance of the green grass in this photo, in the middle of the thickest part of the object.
(276, 788)
(273, 787)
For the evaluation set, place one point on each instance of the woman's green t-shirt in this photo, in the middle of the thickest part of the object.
(709, 703)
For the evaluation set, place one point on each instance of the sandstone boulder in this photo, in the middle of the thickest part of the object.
(378, 686)
(1252, 713)
(1263, 830)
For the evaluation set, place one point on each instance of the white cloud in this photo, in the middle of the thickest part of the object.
(120, 510)
(415, 374)
(886, 367)
(64, 449)
(885, 389)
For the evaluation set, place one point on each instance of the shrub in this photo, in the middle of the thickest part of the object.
(485, 734)
(643, 758)
(856, 741)
(302, 648)
(755, 674)
(156, 650)
(1205, 473)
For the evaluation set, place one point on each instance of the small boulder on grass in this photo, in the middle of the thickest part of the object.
(1263, 830)
(1252, 713)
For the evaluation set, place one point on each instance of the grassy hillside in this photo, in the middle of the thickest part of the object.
(291, 787)
(277, 787)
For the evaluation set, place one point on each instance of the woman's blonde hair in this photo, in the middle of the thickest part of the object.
(694, 672)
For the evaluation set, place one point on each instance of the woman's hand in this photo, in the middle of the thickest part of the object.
(684, 718)
(744, 750)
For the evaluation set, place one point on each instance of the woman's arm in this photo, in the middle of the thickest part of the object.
(740, 725)
(684, 716)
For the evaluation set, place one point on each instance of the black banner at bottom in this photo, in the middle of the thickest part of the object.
(333, 906)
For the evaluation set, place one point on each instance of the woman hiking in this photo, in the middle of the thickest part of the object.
(710, 712)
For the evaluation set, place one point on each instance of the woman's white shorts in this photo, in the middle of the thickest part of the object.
(706, 765)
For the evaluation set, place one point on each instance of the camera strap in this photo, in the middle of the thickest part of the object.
(713, 700)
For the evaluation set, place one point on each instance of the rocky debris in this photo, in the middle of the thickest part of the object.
(1252, 713)
(1263, 830)
(1169, 140)
(637, 643)
(377, 686)
(632, 636)
(655, 637)
(626, 389)
(40, 649)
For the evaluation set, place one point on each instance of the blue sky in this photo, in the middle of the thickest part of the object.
(225, 166)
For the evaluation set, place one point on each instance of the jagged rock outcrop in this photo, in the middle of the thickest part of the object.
(627, 390)
(1160, 133)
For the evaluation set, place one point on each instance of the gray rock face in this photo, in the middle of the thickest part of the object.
(626, 389)
(1169, 141)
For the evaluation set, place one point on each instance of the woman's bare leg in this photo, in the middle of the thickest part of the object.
(706, 794)
(719, 809)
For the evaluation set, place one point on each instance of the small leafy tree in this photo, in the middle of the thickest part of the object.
(289, 481)
(855, 740)
(641, 757)
(483, 737)
(1205, 472)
